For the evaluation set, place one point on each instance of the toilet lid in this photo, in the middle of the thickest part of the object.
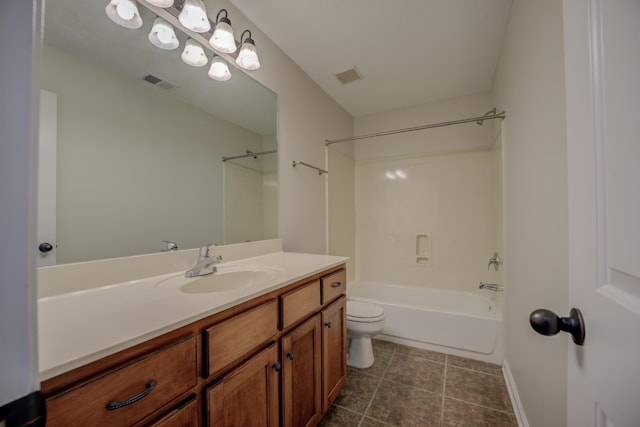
(363, 310)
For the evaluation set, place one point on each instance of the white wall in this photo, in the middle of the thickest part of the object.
(306, 117)
(19, 92)
(449, 193)
(529, 85)
(341, 204)
(449, 197)
(436, 140)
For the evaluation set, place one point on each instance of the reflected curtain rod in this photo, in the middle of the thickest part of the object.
(249, 154)
(479, 120)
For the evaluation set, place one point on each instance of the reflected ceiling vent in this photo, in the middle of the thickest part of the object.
(157, 82)
(349, 76)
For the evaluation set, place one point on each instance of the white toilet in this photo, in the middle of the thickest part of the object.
(364, 321)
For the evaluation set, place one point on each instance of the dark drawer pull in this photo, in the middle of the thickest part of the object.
(336, 285)
(291, 355)
(327, 324)
(114, 404)
(276, 366)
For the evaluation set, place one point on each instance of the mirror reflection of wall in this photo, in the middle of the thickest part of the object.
(138, 164)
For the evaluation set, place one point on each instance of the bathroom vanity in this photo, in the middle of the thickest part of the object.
(269, 353)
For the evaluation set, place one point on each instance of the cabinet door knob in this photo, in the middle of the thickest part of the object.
(276, 366)
(327, 324)
(291, 355)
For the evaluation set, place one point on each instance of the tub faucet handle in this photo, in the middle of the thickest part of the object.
(495, 261)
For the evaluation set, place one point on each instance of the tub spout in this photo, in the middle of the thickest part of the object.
(491, 286)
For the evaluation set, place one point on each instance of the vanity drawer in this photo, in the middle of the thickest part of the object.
(156, 379)
(299, 303)
(334, 285)
(230, 340)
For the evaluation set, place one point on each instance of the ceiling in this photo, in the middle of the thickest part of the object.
(408, 52)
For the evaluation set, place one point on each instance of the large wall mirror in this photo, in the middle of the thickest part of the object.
(139, 163)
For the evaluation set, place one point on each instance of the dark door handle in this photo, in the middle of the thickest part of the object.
(45, 247)
(546, 322)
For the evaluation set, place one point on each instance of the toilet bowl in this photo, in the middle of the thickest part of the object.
(364, 321)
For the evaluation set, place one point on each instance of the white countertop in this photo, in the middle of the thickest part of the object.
(83, 326)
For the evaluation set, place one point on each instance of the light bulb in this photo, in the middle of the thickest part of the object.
(193, 54)
(222, 38)
(194, 16)
(161, 3)
(248, 56)
(219, 70)
(162, 35)
(124, 13)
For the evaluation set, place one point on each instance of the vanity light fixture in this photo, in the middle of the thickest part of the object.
(219, 69)
(124, 13)
(222, 38)
(193, 54)
(194, 16)
(161, 3)
(248, 56)
(162, 35)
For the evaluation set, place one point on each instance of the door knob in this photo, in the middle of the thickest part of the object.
(45, 247)
(546, 322)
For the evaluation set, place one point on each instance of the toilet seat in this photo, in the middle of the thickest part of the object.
(359, 311)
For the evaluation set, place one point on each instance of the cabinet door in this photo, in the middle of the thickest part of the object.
(334, 351)
(247, 396)
(301, 382)
(185, 415)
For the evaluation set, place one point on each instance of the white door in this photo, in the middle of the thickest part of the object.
(602, 51)
(47, 145)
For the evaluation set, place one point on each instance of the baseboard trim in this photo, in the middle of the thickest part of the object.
(513, 395)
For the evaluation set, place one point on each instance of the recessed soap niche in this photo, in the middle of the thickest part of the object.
(423, 249)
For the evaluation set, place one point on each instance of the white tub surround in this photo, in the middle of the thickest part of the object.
(90, 310)
(460, 323)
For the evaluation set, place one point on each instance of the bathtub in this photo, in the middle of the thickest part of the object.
(460, 323)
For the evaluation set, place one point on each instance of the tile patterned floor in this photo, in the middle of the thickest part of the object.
(413, 387)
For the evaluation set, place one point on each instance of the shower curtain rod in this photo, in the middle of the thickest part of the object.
(479, 120)
(249, 154)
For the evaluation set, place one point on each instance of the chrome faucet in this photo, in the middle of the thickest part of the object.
(169, 246)
(206, 263)
(491, 286)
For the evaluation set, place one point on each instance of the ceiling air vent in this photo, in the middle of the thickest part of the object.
(349, 76)
(158, 82)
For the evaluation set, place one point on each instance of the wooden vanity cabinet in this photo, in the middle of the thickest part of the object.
(248, 395)
(277, 359)
(334, 351)
(301, 375)
(186, 414)
(126, 394)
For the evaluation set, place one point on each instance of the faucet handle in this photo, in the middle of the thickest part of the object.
(204, 251)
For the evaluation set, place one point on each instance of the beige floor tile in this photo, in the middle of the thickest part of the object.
(340, 417)
(477, 387)
(463, 414)
(402, 405)
(417, 372)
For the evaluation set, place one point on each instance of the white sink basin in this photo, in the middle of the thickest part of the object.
(229, 279)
